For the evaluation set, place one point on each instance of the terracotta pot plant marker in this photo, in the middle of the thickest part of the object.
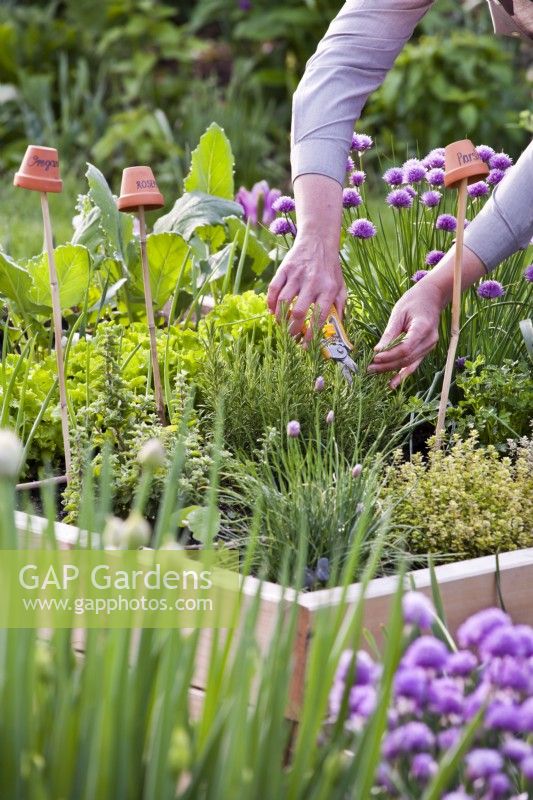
(138, 192)
(462, 166)
(39, 172)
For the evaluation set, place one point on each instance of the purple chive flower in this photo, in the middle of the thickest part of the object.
(516, 750)
(361, 142)
(446, 222)
(257, 203)
(482, 762)
(349, 164)
(489, 290)
(472, 632)
(399, 198)
(362, 229)
(411, 683)
(282, 226)
(478, 189)
(319, 384)
(409, 738)
(460, 794)
(351, 198)
(418, 610)
(410, 190)
(393, 176)
(525, 636)
(293, 428)
(508, 673)
(495, 176)
(330, 416)
(358, 177)
(445, 697)
(528, 273)
(434, 159)
(357, 470)
(365, 670)
(460, 362)
(526, 716)
(503, 717)
(426, 651)
(500, 161)
(499, 785)
(485, 152)
(431, 199)
(435, 177)
(418, 275)
(413, 171)
(284, 205)
(502, 641)
(423, 767)
(448, 738)
(362, 701)
(476, 700)
(461, 664)
(527, 768)
(433, 257)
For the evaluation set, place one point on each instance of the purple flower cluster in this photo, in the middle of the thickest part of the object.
(437, 692)
(283, 205)
(362, 229)
(413, 171)
(399, 198)
(431, 199)
(528, 273)
(495, 176)
(490, 290)
(433, 257)
(361, 142)
(351, 198)
(500, 161)
(478, 189)
(434, 159)
(435, 177)
(393, 176)
(282, 226)
(446, 222)
(358, 177)
(485, 152)
(258, 202)
(418, 275)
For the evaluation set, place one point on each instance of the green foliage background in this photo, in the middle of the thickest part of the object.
(134, 81)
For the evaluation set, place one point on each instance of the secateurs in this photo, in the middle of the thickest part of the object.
(336, 345)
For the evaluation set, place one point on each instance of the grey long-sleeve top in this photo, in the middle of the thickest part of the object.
(351, 61)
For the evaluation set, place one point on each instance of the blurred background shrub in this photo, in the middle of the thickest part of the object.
(130, 81)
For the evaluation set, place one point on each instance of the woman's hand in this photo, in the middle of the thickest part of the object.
(310, 272)
(416, 314)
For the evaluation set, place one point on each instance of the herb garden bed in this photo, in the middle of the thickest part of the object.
(466, 587)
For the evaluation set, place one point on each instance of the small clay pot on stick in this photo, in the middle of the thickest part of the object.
(39, 172)
(462, 166)
(138, 192)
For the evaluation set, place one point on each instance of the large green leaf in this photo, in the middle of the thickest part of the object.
(166, 254)
(195, 210)
(15, 281)
(212, 165)
(257, 257)
(117, 227)
(72, 265)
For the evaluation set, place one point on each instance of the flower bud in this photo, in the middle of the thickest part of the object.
(293, 428)
(136, 532)
(11, 453)
(152, 454)
(357, 470)
(330, 416)
(113, 533)
(319, 384)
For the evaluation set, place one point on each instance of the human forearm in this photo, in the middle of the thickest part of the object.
(351, 61)
(319, 208)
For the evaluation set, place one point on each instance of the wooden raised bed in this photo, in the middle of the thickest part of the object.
(465, 586)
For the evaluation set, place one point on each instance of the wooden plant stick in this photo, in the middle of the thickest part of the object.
(158, 390)
(58, 331)
(456, 311)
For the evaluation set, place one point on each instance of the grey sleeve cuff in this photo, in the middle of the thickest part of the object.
(505, 224)
(319, 157)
